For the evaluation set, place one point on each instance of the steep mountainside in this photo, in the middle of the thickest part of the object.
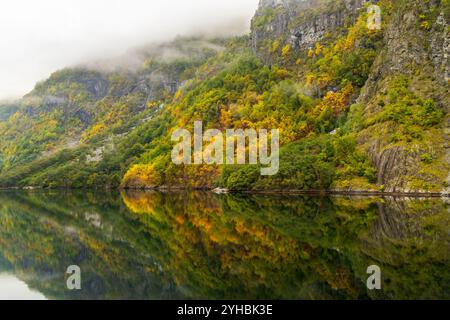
(358, 108)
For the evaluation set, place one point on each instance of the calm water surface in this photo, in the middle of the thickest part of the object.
(206, 246)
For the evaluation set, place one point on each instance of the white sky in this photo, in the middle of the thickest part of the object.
(39, 37)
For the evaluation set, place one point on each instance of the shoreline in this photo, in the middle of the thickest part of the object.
(352, 193)
(362, 193)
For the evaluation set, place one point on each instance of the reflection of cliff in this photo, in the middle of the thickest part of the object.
(200, 245)
(411, 240)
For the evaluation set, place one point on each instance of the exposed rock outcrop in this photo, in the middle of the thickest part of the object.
(416, 43)
(300, 23)
(411, 47)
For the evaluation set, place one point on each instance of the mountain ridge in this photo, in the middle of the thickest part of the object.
(310, 67)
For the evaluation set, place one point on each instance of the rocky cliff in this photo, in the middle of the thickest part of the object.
(415, 45)
(300, 23)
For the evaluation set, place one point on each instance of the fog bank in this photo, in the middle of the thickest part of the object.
(39, 37)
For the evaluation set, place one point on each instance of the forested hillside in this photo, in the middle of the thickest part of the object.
(358, 109)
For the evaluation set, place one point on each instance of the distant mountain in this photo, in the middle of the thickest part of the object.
(359, 108)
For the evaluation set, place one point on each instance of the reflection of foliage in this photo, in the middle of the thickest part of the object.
(42, 234)
(198, 245)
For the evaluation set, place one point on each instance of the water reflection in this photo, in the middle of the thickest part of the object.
(201, 245)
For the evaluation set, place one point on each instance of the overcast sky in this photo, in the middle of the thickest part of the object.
(40, 36)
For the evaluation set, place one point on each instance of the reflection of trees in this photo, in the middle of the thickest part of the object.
(199, 245)
(284, 246)
(41, 234)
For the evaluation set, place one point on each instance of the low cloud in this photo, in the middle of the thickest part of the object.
(39, 37)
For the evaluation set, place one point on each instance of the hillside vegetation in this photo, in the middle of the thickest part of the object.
(357, 109)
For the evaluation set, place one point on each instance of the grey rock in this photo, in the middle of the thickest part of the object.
(300, 23)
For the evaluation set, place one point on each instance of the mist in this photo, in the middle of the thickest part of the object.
(40, 37)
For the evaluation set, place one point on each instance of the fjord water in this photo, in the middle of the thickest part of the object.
(198, 245)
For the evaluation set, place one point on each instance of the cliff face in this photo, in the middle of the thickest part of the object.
(415, 46)
(300, 23)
